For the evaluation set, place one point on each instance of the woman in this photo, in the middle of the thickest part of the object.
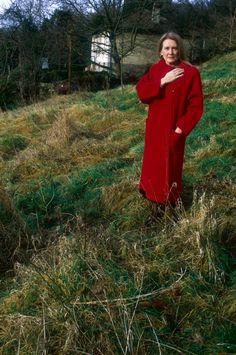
(172, 89)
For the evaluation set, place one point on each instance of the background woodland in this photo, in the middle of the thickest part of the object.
(61, 31)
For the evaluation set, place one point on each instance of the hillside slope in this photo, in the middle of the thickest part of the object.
(90, 275)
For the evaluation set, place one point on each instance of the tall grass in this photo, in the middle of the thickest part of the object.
(89, 273)
(163, 288)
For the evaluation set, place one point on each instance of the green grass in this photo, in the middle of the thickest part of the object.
(220, 67)
(89, 275)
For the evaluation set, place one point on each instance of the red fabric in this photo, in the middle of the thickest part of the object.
(179, 103)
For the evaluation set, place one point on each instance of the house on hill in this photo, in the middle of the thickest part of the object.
(133, 64)
(137, 51)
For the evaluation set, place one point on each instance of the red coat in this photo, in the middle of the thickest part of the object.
(179, 103)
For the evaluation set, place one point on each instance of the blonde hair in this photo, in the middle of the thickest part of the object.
(179, 41)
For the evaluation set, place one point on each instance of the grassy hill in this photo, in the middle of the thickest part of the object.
(82, 271)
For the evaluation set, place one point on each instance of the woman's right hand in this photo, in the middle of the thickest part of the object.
(172, 76)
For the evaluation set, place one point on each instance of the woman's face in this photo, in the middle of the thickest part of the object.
(170, 51)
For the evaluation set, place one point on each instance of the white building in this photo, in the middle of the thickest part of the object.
(100, 53)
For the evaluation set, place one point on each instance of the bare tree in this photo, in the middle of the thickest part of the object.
(117, 19)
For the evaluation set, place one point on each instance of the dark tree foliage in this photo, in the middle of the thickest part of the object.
(29, 37)
(22, 48)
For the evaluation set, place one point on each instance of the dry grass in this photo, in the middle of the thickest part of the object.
(98, 277)
(73, 140)
(123, 292)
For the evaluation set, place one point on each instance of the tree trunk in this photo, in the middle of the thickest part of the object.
(69, 62)
(232, 24)
(117, 58)
(21, 78)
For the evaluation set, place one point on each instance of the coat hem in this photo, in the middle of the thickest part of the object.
(165, 201)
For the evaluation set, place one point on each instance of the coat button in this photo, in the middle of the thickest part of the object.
(173, 90)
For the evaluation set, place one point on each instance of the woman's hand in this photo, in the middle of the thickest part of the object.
(172, 76)
(178, 130)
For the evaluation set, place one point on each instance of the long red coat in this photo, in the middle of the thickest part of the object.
(179, 103)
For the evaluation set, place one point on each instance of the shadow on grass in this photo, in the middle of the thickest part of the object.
(187, 195)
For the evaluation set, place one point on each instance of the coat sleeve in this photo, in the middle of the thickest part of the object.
(194, 105)
(148, 87)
